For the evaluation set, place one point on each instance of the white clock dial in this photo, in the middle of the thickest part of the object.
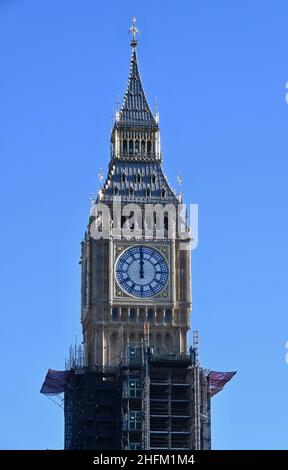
(141, 271)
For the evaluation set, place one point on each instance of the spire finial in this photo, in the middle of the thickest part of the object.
(134, 30)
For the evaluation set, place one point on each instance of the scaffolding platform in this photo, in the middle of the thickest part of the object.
(147, 402)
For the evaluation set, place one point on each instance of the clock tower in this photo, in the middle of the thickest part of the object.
(136, 386)
(135, 253)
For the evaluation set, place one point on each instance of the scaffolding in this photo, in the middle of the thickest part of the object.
(91, 407)
(146, 359)
(164, 399)
(196, 380)
(149, 401)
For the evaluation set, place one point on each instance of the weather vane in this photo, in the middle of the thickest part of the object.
(134, 30)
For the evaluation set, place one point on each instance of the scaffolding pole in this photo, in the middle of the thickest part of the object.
(197, 418)
(146, 389)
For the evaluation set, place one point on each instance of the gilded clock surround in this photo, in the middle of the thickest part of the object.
(165, 293)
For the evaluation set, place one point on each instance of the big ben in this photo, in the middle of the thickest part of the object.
(134, 383)
(132, 273)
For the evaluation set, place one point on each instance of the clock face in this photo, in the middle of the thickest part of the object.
(141, 271)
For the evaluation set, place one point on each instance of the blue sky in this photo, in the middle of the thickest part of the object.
(219, 71)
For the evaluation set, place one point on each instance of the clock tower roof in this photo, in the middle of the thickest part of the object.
(135, 172)
(135, 111)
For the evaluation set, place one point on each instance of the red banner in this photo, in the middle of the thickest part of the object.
(217, 380)
(56, 381)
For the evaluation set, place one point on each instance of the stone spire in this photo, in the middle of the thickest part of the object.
(135, 111)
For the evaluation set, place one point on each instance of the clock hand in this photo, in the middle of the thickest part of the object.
(141, 264)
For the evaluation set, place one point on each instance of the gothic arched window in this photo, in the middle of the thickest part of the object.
(163, 192)
(136, 146)
(142, 315)
(150, 314)
(168, 316)
(148, 192)
(130, 146)
(159, 315)
(131, 190)
(125, 146)
(142, 147)
(123, 177)
(114, 313)
(165, 220)
(138, 178)
(132, 315)
(116, 190)
(149, 147)
(153, 178)
(124, 315)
